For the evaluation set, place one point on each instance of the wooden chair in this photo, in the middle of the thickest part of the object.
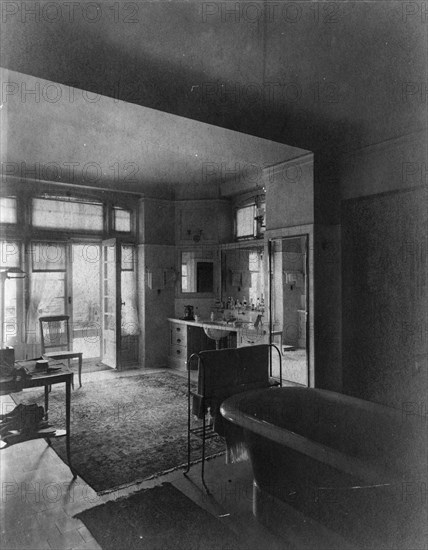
(55, 333)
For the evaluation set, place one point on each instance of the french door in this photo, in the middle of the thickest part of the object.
(119, 305)
(65, 280)
(93, 283)
(111, 299)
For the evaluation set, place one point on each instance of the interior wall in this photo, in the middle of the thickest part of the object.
(156, 256)
(384, 270)
(156, 303)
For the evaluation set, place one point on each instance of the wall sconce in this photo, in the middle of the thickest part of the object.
(197, 236)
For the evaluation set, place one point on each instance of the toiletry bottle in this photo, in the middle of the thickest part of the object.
(212, 316)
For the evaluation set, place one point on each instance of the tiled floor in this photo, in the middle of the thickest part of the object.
(39, 497)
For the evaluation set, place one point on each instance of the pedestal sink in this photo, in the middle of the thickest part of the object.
(216, 330)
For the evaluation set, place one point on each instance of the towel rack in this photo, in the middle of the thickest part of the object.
(221, 374)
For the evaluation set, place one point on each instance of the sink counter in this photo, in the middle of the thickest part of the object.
(188, 337)
(200, 323)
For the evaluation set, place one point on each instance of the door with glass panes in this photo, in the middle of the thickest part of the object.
(64, 279)
(119, 305)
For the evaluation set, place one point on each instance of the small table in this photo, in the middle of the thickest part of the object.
(46, 379)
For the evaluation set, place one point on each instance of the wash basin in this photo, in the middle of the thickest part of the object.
(216, 330)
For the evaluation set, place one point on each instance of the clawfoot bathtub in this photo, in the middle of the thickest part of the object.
(358, 468)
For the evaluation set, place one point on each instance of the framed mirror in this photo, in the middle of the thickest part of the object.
(197, 271)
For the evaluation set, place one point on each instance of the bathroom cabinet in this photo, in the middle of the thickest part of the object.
(185, 338)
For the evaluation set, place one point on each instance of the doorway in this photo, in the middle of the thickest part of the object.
(289, 305)
(85, 299)
(120, 330)
(93, 283)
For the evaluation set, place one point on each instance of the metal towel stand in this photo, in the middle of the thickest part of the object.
(207, 431)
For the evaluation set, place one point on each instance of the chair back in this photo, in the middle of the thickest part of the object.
(55, 332)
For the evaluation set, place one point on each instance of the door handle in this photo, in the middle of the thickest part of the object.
(122, 303)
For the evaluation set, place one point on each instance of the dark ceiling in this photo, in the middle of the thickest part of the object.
(327, 77)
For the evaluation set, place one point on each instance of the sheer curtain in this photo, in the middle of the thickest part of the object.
(47, 289)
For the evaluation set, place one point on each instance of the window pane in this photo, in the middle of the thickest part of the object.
(7, 210)
(128, 253)
(67, 214)
(48, 256)
(245, 221)
(47, 295)
(9, 254)
(10, 315)
(122, 220)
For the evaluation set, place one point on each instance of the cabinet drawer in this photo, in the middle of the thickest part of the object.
(178, 335)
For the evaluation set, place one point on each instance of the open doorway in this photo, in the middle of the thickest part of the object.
(289, 305)
(95, 285)
(85, 302)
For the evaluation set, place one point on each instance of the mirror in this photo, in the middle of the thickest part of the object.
(197, 271)
(243, 275)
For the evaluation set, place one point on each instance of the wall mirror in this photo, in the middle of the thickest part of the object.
(242, 274)
(197, 271)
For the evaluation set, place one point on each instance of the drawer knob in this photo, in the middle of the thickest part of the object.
(178, 340)
(178, 352)
(178, 328)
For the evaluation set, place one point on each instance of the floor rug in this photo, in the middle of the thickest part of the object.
(154, 519)
(124, 429)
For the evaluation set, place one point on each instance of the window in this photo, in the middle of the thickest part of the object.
(10, 258)
(8, 210)
(9, 254)
(63, 213)
(121, 219)
(48, 256)
(245, 222)
(47, 282)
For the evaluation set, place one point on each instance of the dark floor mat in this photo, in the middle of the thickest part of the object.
(159, 518)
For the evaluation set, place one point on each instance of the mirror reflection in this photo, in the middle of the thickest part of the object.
(243, 277)
(290, 305)
(197, 271)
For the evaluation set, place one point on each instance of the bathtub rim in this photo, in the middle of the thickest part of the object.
(364, 469)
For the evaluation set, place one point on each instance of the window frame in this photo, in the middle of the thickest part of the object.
(248, 236)
(15, 200)
(75, 199)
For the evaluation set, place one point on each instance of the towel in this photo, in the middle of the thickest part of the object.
(226, 372)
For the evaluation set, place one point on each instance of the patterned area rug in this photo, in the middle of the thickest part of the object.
(124, 429)
(158, 518)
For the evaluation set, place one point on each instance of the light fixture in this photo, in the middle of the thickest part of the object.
(12, 273)
(9, 273)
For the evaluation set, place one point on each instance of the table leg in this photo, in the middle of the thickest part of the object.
(67, 422)
(80, 371)
(46, 402)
